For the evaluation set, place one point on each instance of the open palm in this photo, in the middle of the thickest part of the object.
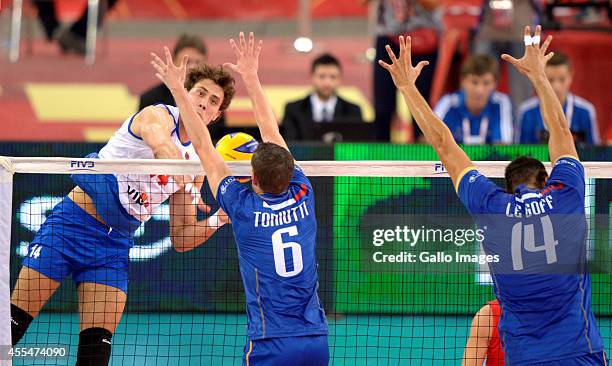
(533, 62)
(170, 74)
(247, 55)
(401, 69)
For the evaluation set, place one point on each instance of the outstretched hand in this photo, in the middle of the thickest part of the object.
(247, 55)
(170, 74)
(401, 69)
(533, 62)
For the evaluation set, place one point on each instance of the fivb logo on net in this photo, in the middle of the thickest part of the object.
(79, 165)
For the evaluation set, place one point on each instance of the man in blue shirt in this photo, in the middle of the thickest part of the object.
(274, 226)
(579, 112)
(477, 114)
(546, 316)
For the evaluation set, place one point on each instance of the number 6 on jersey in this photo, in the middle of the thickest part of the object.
(278, 246)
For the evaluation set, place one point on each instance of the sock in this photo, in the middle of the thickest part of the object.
(94, 347)
(20, 321)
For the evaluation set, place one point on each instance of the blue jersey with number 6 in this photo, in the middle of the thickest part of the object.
(276, 238)
(541, 280)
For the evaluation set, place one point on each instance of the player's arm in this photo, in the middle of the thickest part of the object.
(435, 131)
(155, 125)
(532, 65)
(478, 342)
(247, 65)
(174, 77)
(186, 231)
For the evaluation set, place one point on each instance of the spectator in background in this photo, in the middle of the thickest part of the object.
(322, 105)
(420, 20)
(193, 47)
(73, 38)
(477, 114)
(579, 113)
(500, 22)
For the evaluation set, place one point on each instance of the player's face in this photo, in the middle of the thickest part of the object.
(478, 88)
(560, 78)
(326, 79)
(207, 98)
(195, 57)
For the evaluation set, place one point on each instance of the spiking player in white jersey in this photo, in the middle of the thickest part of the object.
(90, 232)
(274, 226)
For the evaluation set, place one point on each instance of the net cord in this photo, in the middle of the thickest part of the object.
(367, 168)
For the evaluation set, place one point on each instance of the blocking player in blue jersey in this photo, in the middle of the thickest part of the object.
(274, 226)
(546, 316)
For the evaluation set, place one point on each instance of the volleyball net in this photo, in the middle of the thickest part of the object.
(392, 296)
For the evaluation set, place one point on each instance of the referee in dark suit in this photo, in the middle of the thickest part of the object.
(323, 105)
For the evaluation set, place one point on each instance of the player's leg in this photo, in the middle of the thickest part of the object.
(298, 351)
(32, 290)
(100, 308)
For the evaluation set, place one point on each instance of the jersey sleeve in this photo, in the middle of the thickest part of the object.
(479, 194)
(568, 171)
(228, 196)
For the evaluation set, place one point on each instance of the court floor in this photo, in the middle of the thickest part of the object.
(218, 339)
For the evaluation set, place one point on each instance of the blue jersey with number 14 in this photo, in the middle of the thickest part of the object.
(541, 280)
(276, 238)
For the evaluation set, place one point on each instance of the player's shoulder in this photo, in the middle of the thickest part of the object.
(530, 105)
(447, 103)
(500, 98)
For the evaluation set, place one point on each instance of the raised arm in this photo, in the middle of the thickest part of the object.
(532, 65)
(436, 132)
(247, 65)
(154, 125)
(174, 77)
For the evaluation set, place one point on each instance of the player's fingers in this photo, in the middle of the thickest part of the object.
(184, 61)
(251, 43)
(510, 59)
(538, 31)
(258, 50)
(234, 47)
(242, 42)
(230, 66)
(161, 78)
(385, 65)
(402, 52)
(421, 65)
(546, 44)
(158, 68)
(409, 50)
(527, 31)
(549, 56)
(168, 56)
(391, 54)
(157, 59)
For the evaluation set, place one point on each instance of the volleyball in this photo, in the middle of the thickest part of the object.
(237, 146)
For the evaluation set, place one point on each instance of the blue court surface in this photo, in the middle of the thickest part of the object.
(218, 339)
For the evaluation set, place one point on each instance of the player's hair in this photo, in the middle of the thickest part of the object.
(524, 170)
(558, 59)
(189, 41)
(480, 65)
(325, 59)
(272, 167)
(218, 75)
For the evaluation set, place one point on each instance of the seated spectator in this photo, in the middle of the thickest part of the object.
(579, 112)
(194, 47)
(477, 114)
(323, 105)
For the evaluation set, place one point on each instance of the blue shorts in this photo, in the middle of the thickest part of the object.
(593, 359)
(72, 242)
(295, 351)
